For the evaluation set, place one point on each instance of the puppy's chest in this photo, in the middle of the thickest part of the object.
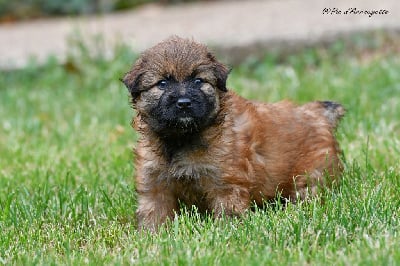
(196, 166)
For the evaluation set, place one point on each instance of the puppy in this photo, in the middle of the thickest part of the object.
(203, 145)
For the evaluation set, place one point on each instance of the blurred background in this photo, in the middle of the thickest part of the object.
(30, 9)
(235, 29)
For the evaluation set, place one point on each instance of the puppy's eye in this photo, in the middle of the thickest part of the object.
(162, 84)
(198, 81)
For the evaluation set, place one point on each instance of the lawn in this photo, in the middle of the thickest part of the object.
(67, 193)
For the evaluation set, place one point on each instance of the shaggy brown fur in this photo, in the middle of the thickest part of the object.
(203, 145)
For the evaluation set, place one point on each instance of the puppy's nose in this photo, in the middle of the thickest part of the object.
(184, 103)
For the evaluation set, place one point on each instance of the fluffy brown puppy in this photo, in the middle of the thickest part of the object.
(203, 145)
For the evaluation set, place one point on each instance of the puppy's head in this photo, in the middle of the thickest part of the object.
(176, 86)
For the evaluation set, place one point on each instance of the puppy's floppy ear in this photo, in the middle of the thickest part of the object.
(132, 80)
(221, 73)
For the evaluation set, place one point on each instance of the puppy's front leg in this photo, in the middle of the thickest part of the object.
(154, 208)
(232, 200)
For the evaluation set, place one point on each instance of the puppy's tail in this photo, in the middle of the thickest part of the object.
(333, 112)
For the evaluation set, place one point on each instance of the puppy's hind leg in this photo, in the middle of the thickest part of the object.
(307, 185)
(311, 184)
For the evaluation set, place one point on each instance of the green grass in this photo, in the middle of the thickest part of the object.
(66, 173)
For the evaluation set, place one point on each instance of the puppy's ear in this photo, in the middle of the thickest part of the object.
(132, 81)
(221, 73)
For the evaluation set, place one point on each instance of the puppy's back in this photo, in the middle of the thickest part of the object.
(287, 142)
